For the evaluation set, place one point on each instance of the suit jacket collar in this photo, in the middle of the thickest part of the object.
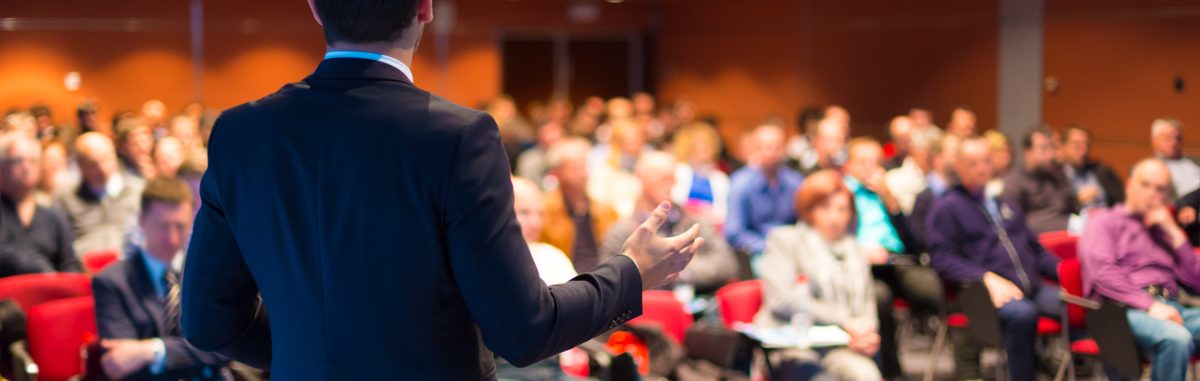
(147, 295)
(357, 68)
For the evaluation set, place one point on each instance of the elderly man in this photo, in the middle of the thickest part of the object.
(713, 264)
(829, 144)
(103, 208)
(761, 196)
(1041, 189)
(1095, 184)
(1135, 254)
(978, 238)
(1166, 138)
(574, 223)
(37, 239)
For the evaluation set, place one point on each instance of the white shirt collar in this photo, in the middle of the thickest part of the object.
(391, 61)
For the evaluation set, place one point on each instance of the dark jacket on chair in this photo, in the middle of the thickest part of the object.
(129, 307)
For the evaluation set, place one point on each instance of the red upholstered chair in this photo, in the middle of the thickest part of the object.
(57, 334)
(95, 261)
(33, 289)
(662, 309)
(740, 301)
(958, 320)
(1062, 245)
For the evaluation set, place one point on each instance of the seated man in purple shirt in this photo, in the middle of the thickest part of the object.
(976, 238)
(1135, 254)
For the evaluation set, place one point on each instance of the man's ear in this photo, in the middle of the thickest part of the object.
(312, 6)
(424, 11)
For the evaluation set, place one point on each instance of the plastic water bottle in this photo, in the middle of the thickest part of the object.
(802, 320)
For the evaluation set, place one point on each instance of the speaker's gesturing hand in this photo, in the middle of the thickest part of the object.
(660, 259)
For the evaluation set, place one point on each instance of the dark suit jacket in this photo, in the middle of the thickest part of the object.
(129, 307)
(376, 220)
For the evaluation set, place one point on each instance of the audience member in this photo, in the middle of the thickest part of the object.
(942, 154)
(531, 164)
(909, 179)
(135, 148)
(515, 131)
(900, 131)
(612, 180)
(137, 299)
(1136, 255)
(187, 130)
(103, 208)
(1041, 190)
(828, 146)
(761, 196)
(921, 117)
(713, 264)
(54, 172)
(553, 266)
(154, 115)
(1002, 160)
(962, 122)
(822, 250)
(168, 156)
(700, 186)
(40, 237)
(1189, 217)
(87, 115)
(977, 238)
(1095, 184)
(881, 232)
(1166, 138)
(575, 223)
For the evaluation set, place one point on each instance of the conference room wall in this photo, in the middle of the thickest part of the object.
(1115, 63)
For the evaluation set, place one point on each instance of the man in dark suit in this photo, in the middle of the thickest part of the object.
(376, 221)
(137, 299)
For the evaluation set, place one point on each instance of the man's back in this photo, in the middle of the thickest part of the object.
(369, 214)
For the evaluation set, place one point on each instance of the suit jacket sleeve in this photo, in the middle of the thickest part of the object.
(114, 322)
(495, 272)
(221, 309)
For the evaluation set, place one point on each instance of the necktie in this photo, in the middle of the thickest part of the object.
(171, 324)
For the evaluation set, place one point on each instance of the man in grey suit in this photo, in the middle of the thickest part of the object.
(376, 222)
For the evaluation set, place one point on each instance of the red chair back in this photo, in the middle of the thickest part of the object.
(662, 309)
(57, 332)
(1071, 280)
(740, 301)
(32, 289)
(95, 261)
(1061, 244)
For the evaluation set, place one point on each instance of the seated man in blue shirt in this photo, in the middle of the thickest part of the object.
(137, 299)
(883, 233)
(761, 195)
(975, 238)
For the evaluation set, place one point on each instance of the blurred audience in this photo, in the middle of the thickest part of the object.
(103, 208)
(700, 186)
(1041, 190)
(531, 164)
(168, 156)
(1136, 255)
(1166, 139)
(135, 148)
(821, 252)
(55, 174)
(900, 133)
(713, 264)
(1096, 184)
(39, 237)
(828, 146)
(1189, 215)
(1002, 160)
(761, 196)
(553, 266)
(978, 238)
(942, 154)
(574, 222)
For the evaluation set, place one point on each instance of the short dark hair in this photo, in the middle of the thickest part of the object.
(361, 21)
(1036, 129)
(165, 190)
(1066, 133)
